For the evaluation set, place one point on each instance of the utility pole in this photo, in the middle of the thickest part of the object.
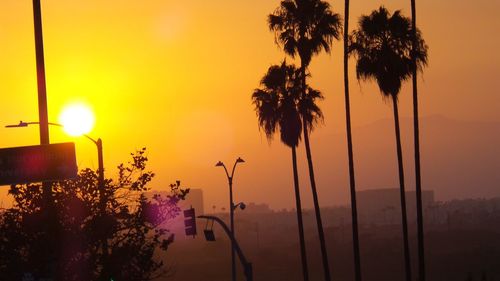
(40, 74)
(42, 89)
(48, 204)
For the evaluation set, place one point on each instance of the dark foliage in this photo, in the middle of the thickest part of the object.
(305, 27)
(131, 226)
(280, 105)
(383, 46)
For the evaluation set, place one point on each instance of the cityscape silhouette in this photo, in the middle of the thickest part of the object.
(219, 140)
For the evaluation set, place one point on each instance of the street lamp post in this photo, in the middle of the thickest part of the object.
(231, 210)
(97, 142)
(40, 73)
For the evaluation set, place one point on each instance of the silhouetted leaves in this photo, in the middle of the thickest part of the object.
(305, 27)
(131, 225)
(276, 103)
(383, 46)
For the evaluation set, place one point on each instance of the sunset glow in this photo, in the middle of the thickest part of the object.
(77, 119)
(370, 138)
(177, 78)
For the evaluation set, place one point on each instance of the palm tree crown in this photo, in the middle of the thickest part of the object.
(280, 105)
(383, 45)
(305, 27)
(276, 104)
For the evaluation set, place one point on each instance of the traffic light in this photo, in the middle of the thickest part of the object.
(209, 235)
(190, 222)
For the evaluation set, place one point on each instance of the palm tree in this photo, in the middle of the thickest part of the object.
(383, 47)
(416, 135)
(276, 104)
(354, 208)
(305, 28)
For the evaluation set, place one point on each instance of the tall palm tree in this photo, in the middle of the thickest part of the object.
(383, 47)
(305, 28)
(276, 104)
(352, 181)
(416, 135)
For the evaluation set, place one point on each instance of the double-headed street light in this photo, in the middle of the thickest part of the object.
(231, 210)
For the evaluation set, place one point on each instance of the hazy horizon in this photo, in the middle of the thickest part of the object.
(374, 172)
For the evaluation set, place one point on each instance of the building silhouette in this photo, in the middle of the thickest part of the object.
(383, 206)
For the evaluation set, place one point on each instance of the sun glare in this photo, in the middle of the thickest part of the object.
(77, 119)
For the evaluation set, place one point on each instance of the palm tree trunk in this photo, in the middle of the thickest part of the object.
(416, 135)
(317, 211)
(354, 208)
(303, 255)
(402, 191)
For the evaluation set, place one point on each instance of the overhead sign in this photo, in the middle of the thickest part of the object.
(37, 163)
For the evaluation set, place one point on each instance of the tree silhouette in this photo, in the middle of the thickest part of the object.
(305, 28)
(132, 224)
(383, 47)
(352, 179)
(276, 104)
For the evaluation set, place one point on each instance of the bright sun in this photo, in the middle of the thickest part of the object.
(77, 119)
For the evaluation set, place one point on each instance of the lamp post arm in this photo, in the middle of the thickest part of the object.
(96, 142)
(22, 124)
(246, 265)
(50, 123)
(234, 168)
(227, 174)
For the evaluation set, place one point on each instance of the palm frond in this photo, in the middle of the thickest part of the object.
(305, 27)
(276, 103)
(309, 109)
(383, 48)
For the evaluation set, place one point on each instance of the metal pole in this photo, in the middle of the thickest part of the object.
(102, 204)
(244, 262)
(233, 263)
(42, 97)
(48, 203)
(101, 170)
(40, 74)
(231, 210)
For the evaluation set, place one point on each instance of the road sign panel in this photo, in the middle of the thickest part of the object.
(37, 163)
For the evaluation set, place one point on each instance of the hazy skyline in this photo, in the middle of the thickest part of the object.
(177, 78)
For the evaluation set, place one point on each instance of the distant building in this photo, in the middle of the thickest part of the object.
(384, 205)
(194, 199)
(257, 208)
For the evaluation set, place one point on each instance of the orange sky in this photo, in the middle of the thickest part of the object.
(177, 76)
